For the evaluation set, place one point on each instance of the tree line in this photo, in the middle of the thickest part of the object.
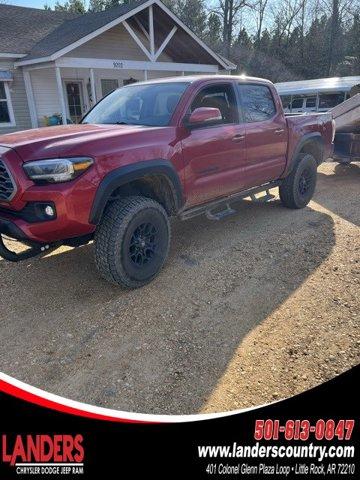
(280, 40)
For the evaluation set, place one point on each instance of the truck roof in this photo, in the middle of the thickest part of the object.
(200, 78)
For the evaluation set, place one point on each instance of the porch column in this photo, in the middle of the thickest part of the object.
(93, 87)
(145, 74)
(61, 94)
(30, 99)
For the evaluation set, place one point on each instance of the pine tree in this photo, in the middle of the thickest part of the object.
(74, 6)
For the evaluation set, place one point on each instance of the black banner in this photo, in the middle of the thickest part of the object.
(312, 435)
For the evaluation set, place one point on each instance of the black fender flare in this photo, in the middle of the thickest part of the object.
(128, 173)
(305, 139)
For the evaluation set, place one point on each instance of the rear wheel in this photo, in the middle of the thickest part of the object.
(132, 241)
(298, 188)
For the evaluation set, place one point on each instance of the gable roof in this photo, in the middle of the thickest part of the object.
(72, 30)
(22, 28)
(65, 32)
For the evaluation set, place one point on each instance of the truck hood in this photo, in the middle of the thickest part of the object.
(63, 139)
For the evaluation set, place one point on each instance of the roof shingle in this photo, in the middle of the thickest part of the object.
(40, 33)
(21, 28)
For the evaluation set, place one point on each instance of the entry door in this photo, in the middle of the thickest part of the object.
(266, 134)
(75, 99)
(214, 155)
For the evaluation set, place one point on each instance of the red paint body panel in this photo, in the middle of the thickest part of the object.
(211, 162)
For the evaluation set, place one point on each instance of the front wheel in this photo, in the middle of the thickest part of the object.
(298, 188)
(132, 241)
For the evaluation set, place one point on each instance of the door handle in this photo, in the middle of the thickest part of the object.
(238, 138)
(279, 131)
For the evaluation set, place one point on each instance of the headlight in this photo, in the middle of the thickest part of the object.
(57, 170)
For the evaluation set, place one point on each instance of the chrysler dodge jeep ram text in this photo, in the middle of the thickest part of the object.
(172, 147)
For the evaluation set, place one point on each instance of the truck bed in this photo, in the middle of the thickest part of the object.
(300, 125)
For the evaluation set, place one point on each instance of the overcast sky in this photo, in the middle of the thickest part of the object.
(40, 4)
(31, 3)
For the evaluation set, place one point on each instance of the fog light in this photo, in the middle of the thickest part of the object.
(49, 210)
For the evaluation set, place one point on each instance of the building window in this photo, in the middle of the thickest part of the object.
(6, 111)
(108, 85)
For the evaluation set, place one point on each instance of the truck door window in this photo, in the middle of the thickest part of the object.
(218, 96)
(257, 103)
(285, 100)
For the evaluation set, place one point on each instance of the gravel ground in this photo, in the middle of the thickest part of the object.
(257, 307)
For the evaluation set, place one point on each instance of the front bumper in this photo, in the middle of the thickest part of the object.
(10, 229)
(71, 201)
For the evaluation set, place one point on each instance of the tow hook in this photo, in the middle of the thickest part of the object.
(33, 251)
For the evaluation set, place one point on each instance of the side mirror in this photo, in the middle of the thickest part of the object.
(204, 115)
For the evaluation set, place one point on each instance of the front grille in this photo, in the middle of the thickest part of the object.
(7, 186)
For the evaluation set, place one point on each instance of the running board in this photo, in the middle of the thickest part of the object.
(221, 214)
(225, 202)
(265, 198)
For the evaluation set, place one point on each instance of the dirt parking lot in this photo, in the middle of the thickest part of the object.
(254, 308)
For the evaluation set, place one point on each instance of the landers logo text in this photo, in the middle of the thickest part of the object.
(42, 449)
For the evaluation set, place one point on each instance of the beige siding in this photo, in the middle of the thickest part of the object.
(152, 74)
(18, 99)
(45, 93)
(121, 75)
(115, 43)
(45, 87)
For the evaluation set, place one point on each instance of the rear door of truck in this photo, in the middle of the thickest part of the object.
(266, 133)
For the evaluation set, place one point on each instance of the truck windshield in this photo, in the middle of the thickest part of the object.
(143, 104)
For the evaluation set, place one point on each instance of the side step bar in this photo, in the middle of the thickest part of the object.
(225, 202)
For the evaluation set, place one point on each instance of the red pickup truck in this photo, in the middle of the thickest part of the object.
(172, 147)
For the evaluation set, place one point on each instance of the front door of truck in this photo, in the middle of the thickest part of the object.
(266, 134)
(214, 155)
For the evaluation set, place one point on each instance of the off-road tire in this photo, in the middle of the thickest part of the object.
(298, 188)
(117, 241)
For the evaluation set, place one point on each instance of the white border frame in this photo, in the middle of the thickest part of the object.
(12, 122)
(119, 414)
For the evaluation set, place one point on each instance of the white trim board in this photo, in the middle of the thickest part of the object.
(137, 40)
(118, 64)
(119, 20)
(165, 42)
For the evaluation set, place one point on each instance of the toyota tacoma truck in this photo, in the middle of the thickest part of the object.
(181, 147)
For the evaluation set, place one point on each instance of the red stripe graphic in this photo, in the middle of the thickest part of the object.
(46, 403)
